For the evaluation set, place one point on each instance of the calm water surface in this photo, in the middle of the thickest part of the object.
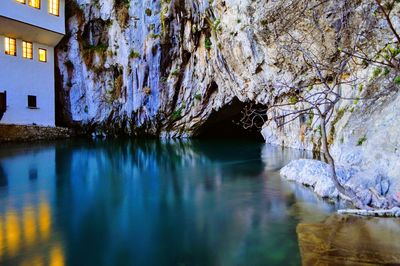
(150, 202)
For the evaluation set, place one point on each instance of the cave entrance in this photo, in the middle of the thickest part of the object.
(224, 123)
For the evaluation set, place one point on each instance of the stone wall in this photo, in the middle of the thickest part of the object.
(17, 133)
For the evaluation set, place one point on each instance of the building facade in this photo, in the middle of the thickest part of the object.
(29, 31)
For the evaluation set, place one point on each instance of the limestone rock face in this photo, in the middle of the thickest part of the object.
(165, 68)
(375, 161)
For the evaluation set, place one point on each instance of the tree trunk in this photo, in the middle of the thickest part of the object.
(346, 193)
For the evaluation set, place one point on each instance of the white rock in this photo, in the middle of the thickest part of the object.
(313, 173)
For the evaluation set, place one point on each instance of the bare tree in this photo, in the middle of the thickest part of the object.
(329, 70)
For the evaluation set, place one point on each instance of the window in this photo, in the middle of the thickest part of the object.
(33, 174)
(10, 45)
(21, 1)
(34, 3)
(3, 102)
(42, 55)
(27, 50)
(54, 7)
(32, 101)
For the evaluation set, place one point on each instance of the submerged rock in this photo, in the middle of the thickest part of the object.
(350, 240)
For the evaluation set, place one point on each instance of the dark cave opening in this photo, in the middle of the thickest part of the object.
(225, 123)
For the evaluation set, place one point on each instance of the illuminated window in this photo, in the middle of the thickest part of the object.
(27, 51)
(54, 7)
(10, 46)
(42, 55)
(34, 3)
(21, 1)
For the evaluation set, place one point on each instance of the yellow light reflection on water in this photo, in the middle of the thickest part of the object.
(13, 232)
(1, 238)
(28, 232)
(56, 256)
(35, 261)
(44, 219)
(29, 225)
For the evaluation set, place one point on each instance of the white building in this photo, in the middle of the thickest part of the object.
(29, 31)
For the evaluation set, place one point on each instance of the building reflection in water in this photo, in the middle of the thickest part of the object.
(162, 203)
(27, 232)
(27, 236)
(3, 177)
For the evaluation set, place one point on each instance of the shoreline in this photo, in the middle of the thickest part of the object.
(33, 133)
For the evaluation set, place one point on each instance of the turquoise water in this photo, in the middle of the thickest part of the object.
(150, 202)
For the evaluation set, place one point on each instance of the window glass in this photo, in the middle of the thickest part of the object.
(54, 7)
(32, 101)
(27, 51)
(34, 3)
(42, 55)
(21, 1)
(3, 101)
(10, 45)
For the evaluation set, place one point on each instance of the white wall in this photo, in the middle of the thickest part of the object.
(38, 17)
(16, 168)
(21, 77)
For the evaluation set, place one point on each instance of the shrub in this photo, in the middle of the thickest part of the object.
(175, 72)
(147, 90)
(90, 51)
(293, 99)
(177, 114)
(122, 11)
(154, 35)
(361, 140)
(207, 43)
(376, 72)
(133, 54)
(148, 12)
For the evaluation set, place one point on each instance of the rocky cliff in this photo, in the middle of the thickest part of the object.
(160, 67)
(168, 66)
(188, 67)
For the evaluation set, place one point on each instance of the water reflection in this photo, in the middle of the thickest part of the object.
(151, 203)
(3, 177)
(26, 218)
(25, 232)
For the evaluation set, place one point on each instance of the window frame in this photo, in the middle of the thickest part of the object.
(32, 105)
(45, 54)
(25, 50)
(7, 43)
(37, 7)
(4, 94)
(50, 4)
